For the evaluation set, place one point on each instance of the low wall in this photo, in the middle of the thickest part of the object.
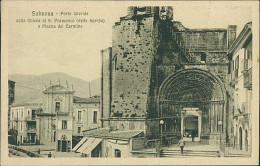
(145, 154)
(214, 139)
(31, 154)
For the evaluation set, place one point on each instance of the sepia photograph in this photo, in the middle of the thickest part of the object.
(150, 80)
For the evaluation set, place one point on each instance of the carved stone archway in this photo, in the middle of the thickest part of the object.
(193, 88)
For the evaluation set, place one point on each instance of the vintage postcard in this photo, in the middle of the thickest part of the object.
(129, 82)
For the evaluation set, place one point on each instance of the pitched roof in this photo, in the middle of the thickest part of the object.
(105, 133)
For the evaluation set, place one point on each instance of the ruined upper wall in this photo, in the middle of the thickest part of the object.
(206, 39)
(201, 48)
(164, 12)
(132, 53)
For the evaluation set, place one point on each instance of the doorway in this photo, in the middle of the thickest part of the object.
(190, 126)
(64, 146)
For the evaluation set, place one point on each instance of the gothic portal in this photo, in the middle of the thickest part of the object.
(192, 100)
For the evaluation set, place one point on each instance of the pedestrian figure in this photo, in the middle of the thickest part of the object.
(193, 135)
(181, 144)
(49, 155)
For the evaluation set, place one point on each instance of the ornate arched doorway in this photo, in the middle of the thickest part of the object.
(193, 92)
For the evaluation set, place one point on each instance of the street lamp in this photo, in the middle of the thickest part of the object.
(161, 123)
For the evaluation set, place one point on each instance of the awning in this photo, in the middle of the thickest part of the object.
(86, 144)
(81, 142)
(91, 146)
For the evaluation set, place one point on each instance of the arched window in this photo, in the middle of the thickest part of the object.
(117, 153)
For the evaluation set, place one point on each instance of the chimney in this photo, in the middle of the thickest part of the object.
(231, 34)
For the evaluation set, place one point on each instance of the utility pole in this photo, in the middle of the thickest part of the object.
(89, 89)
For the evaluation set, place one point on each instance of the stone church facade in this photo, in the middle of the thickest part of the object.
(55, 120)
(157, 69)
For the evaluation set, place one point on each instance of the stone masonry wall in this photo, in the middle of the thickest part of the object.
(206, 40)
(132, 54)
(210, 42)
(106, 82)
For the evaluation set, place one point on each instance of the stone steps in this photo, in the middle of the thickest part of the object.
(188, 153)
(238, 155)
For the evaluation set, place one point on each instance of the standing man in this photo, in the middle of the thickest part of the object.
(192, 135)
(181, 144)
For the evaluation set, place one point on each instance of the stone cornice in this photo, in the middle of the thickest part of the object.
(243, 36)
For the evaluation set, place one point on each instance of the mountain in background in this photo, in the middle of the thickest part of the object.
(28, 88)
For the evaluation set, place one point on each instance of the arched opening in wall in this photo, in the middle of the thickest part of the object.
(240, 139)
(117, 153)
(192, 104)
(203, 57)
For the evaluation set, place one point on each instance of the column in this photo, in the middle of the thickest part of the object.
(209, 119)
(211, 115)
(199, 125)
(215, 118)
(182, 124)
(161, 109)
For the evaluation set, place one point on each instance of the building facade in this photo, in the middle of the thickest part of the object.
(11, 97)
(64, 116)
(55, 120)
(240, 90)
(114, 144)
(157, 69)
(23, 123)
(86, 113)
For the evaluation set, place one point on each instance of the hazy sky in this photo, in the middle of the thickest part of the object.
(77, 51)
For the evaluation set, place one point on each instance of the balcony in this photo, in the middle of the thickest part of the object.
(63, 113)
(234, 77)
(248, 79)
(31, 130)
(246, 65)
(30, 118)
